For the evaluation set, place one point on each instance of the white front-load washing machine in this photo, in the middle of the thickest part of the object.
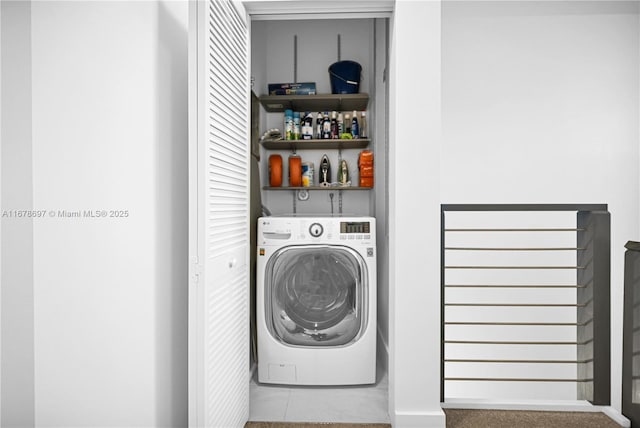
(316, 300)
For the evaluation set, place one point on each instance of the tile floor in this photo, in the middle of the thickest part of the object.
(349, 404)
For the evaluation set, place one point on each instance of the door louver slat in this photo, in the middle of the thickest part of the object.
(220, 332)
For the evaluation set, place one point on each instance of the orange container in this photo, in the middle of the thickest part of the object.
(365, 166)
(295, 171)
(366, 181)
(275, 170)
(365, 158)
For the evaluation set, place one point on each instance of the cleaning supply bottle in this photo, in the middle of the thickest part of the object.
(355, 132)
(307, 126)
(296, 125)
(326, 126)
(319, 120)
(334, 125)
(365, 165)
(288, 124)
(363, 125)
(340, 124)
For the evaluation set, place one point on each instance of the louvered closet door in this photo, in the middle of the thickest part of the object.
(219, 215)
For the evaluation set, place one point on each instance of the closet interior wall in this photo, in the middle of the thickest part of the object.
(317, 48)
(272, 61)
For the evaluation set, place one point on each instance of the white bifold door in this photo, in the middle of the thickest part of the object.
(219, 92)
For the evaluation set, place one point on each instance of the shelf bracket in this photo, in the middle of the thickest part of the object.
(295, 58)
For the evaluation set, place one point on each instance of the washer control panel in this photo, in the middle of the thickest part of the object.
(316, 230)
(355, 227)
(301, 230)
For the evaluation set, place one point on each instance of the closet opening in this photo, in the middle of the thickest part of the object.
(295, 53)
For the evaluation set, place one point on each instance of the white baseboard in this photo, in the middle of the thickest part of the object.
(552, 406)
(420, 420)
(537, 405)
(616, 416)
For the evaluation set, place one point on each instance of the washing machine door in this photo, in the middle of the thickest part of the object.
(316, 295)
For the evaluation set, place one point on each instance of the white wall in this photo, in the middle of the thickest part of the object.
(1, 38)
(540, 105)
(272, 62)
(414, 215)
(17, 345)
(381, 193)
(110, 133)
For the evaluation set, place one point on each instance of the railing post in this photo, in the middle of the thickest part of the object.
(630, 334)
(442, 298)
(594, 318)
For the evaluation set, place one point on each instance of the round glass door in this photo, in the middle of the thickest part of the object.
(315, 295)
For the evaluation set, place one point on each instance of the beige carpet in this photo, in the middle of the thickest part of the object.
(458, 418)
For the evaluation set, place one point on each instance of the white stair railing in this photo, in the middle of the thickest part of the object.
(524, 301)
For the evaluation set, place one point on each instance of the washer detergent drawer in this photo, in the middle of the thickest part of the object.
(316, 295)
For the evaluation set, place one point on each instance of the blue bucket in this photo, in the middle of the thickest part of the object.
(345, 77)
